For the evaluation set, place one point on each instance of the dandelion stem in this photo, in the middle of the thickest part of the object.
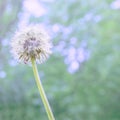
(41, 91)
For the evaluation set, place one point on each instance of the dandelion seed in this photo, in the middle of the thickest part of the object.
(31, 42)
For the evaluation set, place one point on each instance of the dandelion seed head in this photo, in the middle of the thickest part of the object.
(31, 42)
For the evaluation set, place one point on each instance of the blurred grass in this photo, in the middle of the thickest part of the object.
(21, 112)
(92, 92)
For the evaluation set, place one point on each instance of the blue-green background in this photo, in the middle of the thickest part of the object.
(82, 76)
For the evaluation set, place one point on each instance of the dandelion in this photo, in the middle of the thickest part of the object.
(31, 42)
(32, 45)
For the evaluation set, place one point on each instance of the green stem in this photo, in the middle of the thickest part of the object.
(41, 91)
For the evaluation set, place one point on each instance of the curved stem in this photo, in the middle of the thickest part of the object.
(41, 91)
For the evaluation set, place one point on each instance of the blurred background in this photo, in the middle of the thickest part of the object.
(82, 76)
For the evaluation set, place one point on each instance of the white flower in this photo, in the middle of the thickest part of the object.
(31, 42)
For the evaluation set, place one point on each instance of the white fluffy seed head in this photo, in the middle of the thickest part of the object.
(31, 42)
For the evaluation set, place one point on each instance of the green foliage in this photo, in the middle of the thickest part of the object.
(92, 92)
(21, 112)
